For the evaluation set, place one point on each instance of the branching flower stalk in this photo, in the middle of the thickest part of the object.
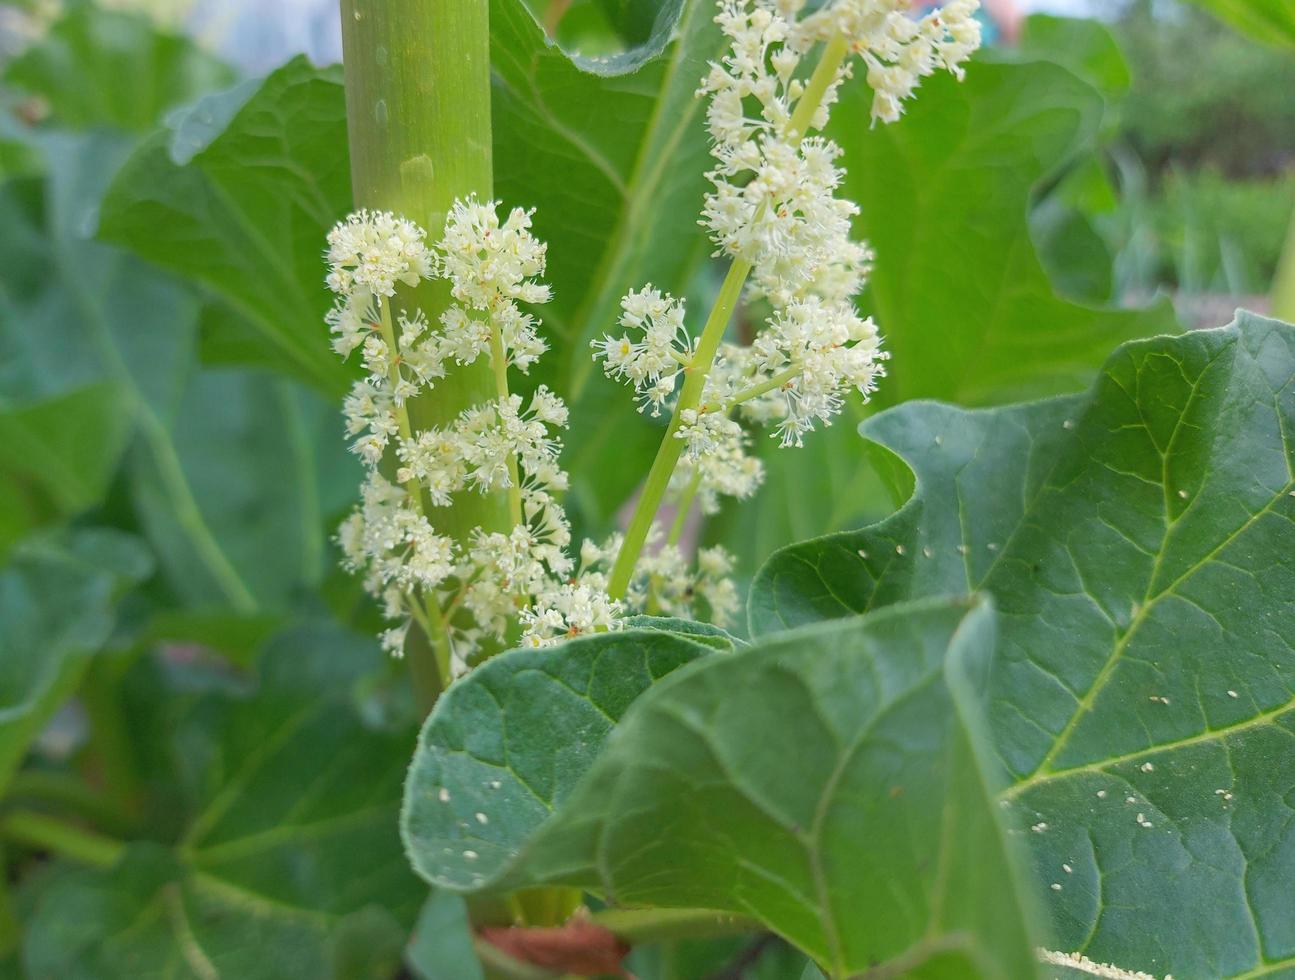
(775, 215)
(450, 316)
(463, 595)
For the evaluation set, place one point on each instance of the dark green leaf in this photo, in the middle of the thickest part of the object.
(700, 800)
(57, 456)
(1137, 541)
(243, 208)
(509, 742)
(235, 475)
(100, 67)
(966, 308)
(441, 946)
(57, 607)
(289, 863)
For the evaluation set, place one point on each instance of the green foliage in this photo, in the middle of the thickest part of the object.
(57, 456)
(98, 67)
(968, 311)
(1086, 48)
(1203, 232)
(690, 804)
(511, 744)
(288, 864)
(57, 607)
(235, 508)
(242, 209)
(1224, 105)
(171, 466)
(1269, 21)
(1134, 540)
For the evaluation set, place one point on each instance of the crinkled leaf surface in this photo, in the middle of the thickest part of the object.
(103, 67)
(966, 308)
(57, 608)
(1137, 541)
(744, 783)
(289, 864)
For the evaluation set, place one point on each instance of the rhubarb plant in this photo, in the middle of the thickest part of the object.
(488, 510)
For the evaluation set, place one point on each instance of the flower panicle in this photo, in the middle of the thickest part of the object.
(774, 207)
(480, 587)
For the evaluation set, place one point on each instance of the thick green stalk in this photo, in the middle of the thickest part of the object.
(667, 457)
(418, 115)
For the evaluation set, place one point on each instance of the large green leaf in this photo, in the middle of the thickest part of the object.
(232, 473)
(100, 67)
(57, 608)
(57, 456)
(512, 740)
(742, 783)
(289, 863)
(242, 208)
(1269, 21)
(958, 290)
(1137, 540)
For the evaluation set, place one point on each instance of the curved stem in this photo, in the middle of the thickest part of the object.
(667, 457)
(59, 837)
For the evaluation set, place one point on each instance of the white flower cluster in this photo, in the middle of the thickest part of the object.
(897, 50)
(665, 582)
(480, 587)
(652, 361)
(774, 211)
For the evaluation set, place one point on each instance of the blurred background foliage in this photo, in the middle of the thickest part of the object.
(171, 457)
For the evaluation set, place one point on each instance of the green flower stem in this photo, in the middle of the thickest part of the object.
(56, 836)
(401, 410)
(755, 391)
(499, 361)
(671, 448)
(685, 505)
(824, 74)
(667, 457)
(418, 116)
